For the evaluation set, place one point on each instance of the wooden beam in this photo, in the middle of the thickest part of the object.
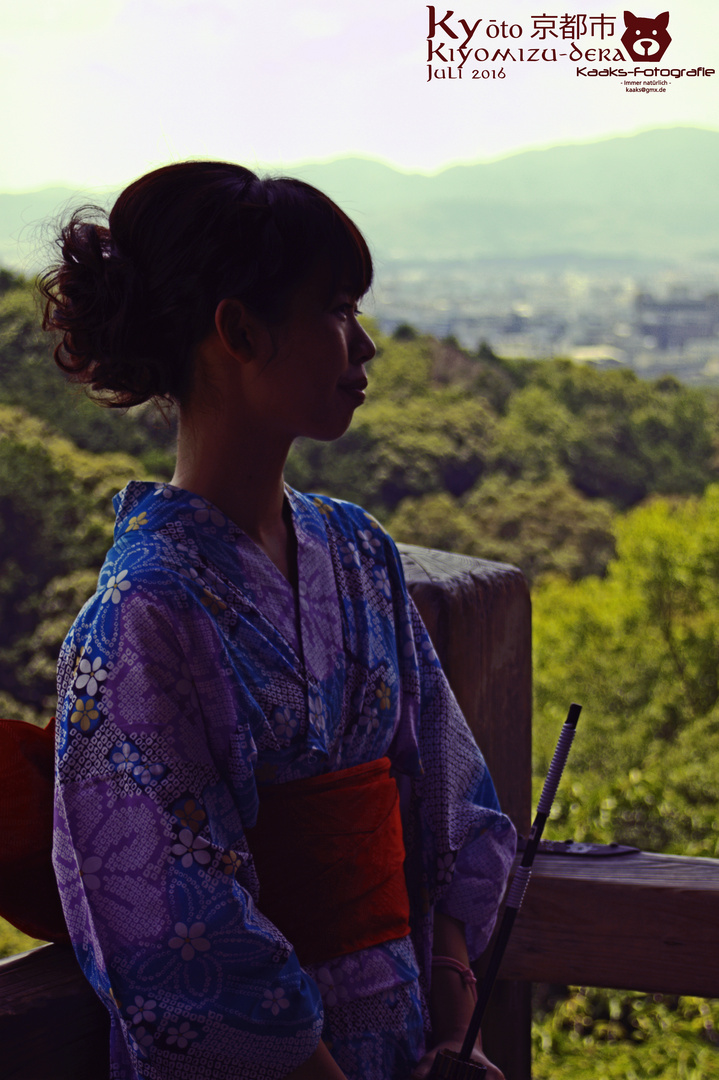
(52, 1024)
(634, 922)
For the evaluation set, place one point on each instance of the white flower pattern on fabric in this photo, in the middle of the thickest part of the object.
(316, 710)
(330, 986)
(285, 723)
(205, 511)
(143, 774)
(275, 1000)
(115, 587)
(215, 582)
(191, 848)
(382, 581)
(350, 555)
(189, 940)
(142, 1010)
(445, 866)
(142, 1039)
(125, 757)
(164, 490)
(369, 718)
(368, 541)
(181, 1036)
(90, 675)
(303, 594)
(88, 870)
(187, 553)
(428, 649)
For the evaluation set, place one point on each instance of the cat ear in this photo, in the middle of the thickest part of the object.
(662, 20)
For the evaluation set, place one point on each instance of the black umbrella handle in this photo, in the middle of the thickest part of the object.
(518, 888)
(447, 1066)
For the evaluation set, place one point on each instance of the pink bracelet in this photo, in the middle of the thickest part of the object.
(467, 975)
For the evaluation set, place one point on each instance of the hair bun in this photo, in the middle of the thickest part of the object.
(96, 301)
(94, 265)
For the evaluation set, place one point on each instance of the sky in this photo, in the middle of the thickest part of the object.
(97, 92)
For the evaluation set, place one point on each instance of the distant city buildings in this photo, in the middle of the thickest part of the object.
(655, 320)
(675, 321)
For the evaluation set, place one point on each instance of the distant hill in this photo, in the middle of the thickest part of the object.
(647, 196)
(28, 220)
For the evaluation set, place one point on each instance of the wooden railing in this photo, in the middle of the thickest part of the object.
(642, 922)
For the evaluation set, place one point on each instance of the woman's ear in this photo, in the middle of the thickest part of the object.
(242, 334)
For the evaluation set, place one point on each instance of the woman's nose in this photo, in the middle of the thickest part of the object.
(365, 348)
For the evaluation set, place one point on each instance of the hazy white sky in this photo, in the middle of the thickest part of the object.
(96, 92)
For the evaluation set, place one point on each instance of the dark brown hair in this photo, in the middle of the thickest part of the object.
(133, 298)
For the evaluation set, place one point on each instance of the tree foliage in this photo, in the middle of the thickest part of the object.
(638, 650)
(616, 1035)
(543, 527)
(31, 380)
(54, 518)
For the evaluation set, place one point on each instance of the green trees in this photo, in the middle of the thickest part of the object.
(616, 1035)
(521, 462)
(30, 380)
(55, 519)
(639, 650)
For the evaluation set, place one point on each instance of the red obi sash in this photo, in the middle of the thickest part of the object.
(28, 891)
(329, 855)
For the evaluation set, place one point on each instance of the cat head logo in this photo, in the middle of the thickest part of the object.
(646, 39)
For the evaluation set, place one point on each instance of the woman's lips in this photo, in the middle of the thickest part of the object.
(355, 390)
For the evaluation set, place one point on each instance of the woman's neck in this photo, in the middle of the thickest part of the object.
(242, 474)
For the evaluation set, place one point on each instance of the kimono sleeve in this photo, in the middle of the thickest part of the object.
(158, 886)
(460, 844)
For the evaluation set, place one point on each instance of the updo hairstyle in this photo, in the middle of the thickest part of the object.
(132, 299)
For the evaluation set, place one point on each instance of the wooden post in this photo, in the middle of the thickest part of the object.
(479, 618)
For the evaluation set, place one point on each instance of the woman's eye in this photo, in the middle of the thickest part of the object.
(348, 309)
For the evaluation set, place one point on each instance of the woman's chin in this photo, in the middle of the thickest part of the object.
(329, 431)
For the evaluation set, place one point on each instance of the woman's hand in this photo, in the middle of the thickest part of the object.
(422, 1069)
(321, 1066)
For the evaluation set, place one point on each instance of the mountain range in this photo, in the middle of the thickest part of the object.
(652, 196)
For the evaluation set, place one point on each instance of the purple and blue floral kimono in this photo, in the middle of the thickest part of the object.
(193, 675)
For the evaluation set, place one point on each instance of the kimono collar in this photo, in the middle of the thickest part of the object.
(146, 507)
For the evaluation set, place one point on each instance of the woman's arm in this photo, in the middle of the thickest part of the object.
(451, 999)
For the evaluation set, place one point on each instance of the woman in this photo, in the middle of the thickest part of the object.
(251, 647)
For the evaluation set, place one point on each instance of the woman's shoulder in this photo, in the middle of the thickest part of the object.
(143, 578)
(358, 536)
(342, 515)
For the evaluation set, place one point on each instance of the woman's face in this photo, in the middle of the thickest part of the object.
(316, 378)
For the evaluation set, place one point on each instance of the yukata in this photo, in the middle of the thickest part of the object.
(194, 676)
